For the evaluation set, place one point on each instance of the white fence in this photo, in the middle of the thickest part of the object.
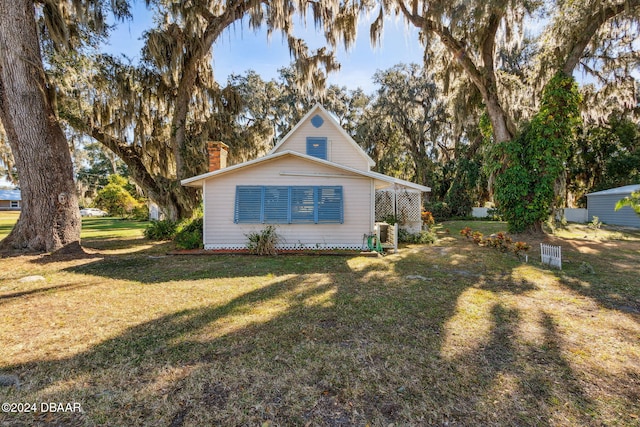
(551, 255)
(479, 212)
(578, 215)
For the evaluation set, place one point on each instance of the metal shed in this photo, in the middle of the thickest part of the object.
(602, 204)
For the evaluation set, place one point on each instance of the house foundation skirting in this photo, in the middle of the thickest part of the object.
(297, 246)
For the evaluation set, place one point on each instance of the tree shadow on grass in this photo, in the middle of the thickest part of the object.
(552, 378)
(148, 269)
(506, 382)
(505, 282)
(608, 293)
(132, 359)
(119, 243)
(603, 271)
(294, 367)
(68, 287)
(339, 346)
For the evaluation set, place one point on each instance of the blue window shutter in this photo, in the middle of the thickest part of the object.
(257, 204)
(317, 147)
(330, 205)
(276, 205)
(248, 209)
(315, 204)
(302, 205)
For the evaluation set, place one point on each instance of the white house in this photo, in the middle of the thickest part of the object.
(316, 186)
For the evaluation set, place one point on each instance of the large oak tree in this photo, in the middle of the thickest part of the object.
(475, 38)
(157, 115)
(49, 219)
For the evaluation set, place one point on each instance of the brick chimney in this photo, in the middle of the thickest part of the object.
(217, 155)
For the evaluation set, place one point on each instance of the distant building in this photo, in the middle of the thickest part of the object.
(602, 204)
(10, 200)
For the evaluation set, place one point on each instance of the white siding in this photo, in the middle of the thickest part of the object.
(219, 194)
(339, 149)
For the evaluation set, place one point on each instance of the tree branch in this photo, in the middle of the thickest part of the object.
(593, 24)
(453, 45)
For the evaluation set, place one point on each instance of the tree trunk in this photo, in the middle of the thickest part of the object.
(50, 219)
(185, 199)
(498, 118)
(536, 228)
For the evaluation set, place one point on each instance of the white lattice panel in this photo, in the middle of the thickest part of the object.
(303, 247)
(385, 205)
(409, 206)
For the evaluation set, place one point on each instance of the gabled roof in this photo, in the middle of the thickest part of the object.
(198, 181)
(627, 189)
(347, 137)
(10, 195)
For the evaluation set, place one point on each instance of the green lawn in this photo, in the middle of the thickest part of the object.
(450, 333)
(7, 219)
(98, 233)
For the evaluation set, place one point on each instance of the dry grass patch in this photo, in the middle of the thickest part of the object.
(448, 333)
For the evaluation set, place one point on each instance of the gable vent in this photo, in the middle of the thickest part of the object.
(317, 121)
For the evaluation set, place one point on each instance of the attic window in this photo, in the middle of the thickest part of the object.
(317, 147)
(317, 121)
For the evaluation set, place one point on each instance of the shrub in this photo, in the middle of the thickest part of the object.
(140, 212)
(476, 236)
(466, 232)
(390, 219)
(427, 218)
(189, 240)
(595, 224)
(501, 241)
(439, 210)
(519, 248)
(263, 242)
(161, 230)
(116, 199)
(494, 214)
(189, 235)
(422, 238)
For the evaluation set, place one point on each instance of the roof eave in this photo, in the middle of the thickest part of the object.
(625, 189)
(198, 181)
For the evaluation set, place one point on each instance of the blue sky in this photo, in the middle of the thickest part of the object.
(240, 49)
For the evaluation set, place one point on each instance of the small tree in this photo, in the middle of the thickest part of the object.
(116, 199)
